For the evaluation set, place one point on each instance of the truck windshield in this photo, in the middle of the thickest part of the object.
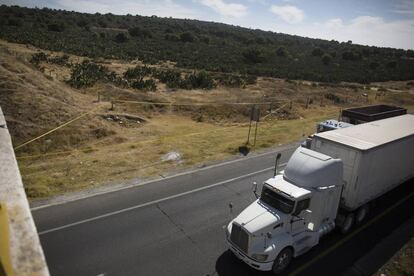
(277, 201)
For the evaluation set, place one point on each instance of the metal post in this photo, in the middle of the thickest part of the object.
(255, 133)
(248, 135)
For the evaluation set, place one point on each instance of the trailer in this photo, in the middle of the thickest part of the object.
(376, 156)
(364, 114)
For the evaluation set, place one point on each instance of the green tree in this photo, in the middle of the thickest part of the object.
(281, 52)
(187, 37)
(326, 59)
(317, 52)
(252, 55)
(121, 38)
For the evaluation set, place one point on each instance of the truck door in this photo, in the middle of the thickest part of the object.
(299, 218)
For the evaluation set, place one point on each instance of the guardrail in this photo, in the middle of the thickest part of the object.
(20, 250)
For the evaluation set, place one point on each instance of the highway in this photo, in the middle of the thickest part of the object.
(175, 226)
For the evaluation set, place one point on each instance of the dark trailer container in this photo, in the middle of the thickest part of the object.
(371, 113)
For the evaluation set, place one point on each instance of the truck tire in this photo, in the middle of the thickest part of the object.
(361, 214)
(348, 223)
(282, 260)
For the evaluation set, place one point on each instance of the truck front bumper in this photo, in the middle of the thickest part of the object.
(266, 266)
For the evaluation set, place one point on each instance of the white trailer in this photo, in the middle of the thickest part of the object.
(329, 185)
(376, 156)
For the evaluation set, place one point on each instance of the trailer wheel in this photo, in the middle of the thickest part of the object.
(348, 223)
(282, 260)
(361, 214)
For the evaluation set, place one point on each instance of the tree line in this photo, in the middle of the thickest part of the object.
(202, 45)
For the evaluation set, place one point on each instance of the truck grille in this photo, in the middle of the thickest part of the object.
(239, 237)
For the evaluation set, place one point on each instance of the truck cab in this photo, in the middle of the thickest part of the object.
(295, 208)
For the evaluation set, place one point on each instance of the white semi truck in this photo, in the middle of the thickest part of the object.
(329, 185)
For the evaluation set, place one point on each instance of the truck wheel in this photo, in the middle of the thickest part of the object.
(282, 260)
(348, 223)
(361, 214)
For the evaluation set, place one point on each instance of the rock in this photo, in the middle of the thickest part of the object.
(171, 156)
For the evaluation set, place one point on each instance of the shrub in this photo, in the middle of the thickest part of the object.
(38, 57)
(14, 22)
(141, 84)
(317, 52)
(252, 56)
(138, 72)
(170, 77)
(121, 38)
(334, 98)
(281, 52)
(138, 32)
(326, 59)
(171, 37)
(391, 64)
(56, 27)
(198, 80)
(59, 60)
(186, 37)
(87, 74)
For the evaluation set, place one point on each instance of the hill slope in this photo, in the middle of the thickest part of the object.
(203, 45)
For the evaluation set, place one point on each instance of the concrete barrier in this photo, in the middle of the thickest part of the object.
(20, 250)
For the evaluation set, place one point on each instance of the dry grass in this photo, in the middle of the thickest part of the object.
(402, 263)
(141, 157)
(98, 150)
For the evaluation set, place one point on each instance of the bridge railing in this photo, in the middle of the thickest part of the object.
(20, 249)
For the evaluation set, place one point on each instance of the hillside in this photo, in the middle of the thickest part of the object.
(203, 45)
(41, 90)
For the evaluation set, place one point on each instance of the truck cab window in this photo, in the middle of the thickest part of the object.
(302, 205)
(277, 201)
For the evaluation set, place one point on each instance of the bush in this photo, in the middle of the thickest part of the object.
(14, 22)
(170, 77)
(141, 84)
(38, 57)
(87, 74)
(138, 72)
(121, 38)
(349, 55)
(281, 52)
(60, 60)
(138, 32)
(391, 64)
(374, 65)
(56, 27)
(317, 52)
(198, 80)
(252, 56)
(171, 37)
(186, 37)
(334, 98)
(326, 59)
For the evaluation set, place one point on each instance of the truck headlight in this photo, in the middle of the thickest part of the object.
(260, 257)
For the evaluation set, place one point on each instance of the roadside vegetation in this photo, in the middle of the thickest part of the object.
(402, 263)
(132, 112)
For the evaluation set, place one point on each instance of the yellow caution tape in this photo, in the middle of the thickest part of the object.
(194, 104)
(56, 128)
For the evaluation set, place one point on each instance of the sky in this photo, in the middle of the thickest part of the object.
(384, 23)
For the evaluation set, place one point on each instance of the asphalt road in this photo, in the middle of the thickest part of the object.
(175, 226)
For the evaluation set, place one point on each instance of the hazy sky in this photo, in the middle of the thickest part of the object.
(388, 23)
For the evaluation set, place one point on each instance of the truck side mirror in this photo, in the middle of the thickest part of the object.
(255, 190)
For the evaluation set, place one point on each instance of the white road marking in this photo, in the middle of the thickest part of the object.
(154, 201)
(160, 179)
